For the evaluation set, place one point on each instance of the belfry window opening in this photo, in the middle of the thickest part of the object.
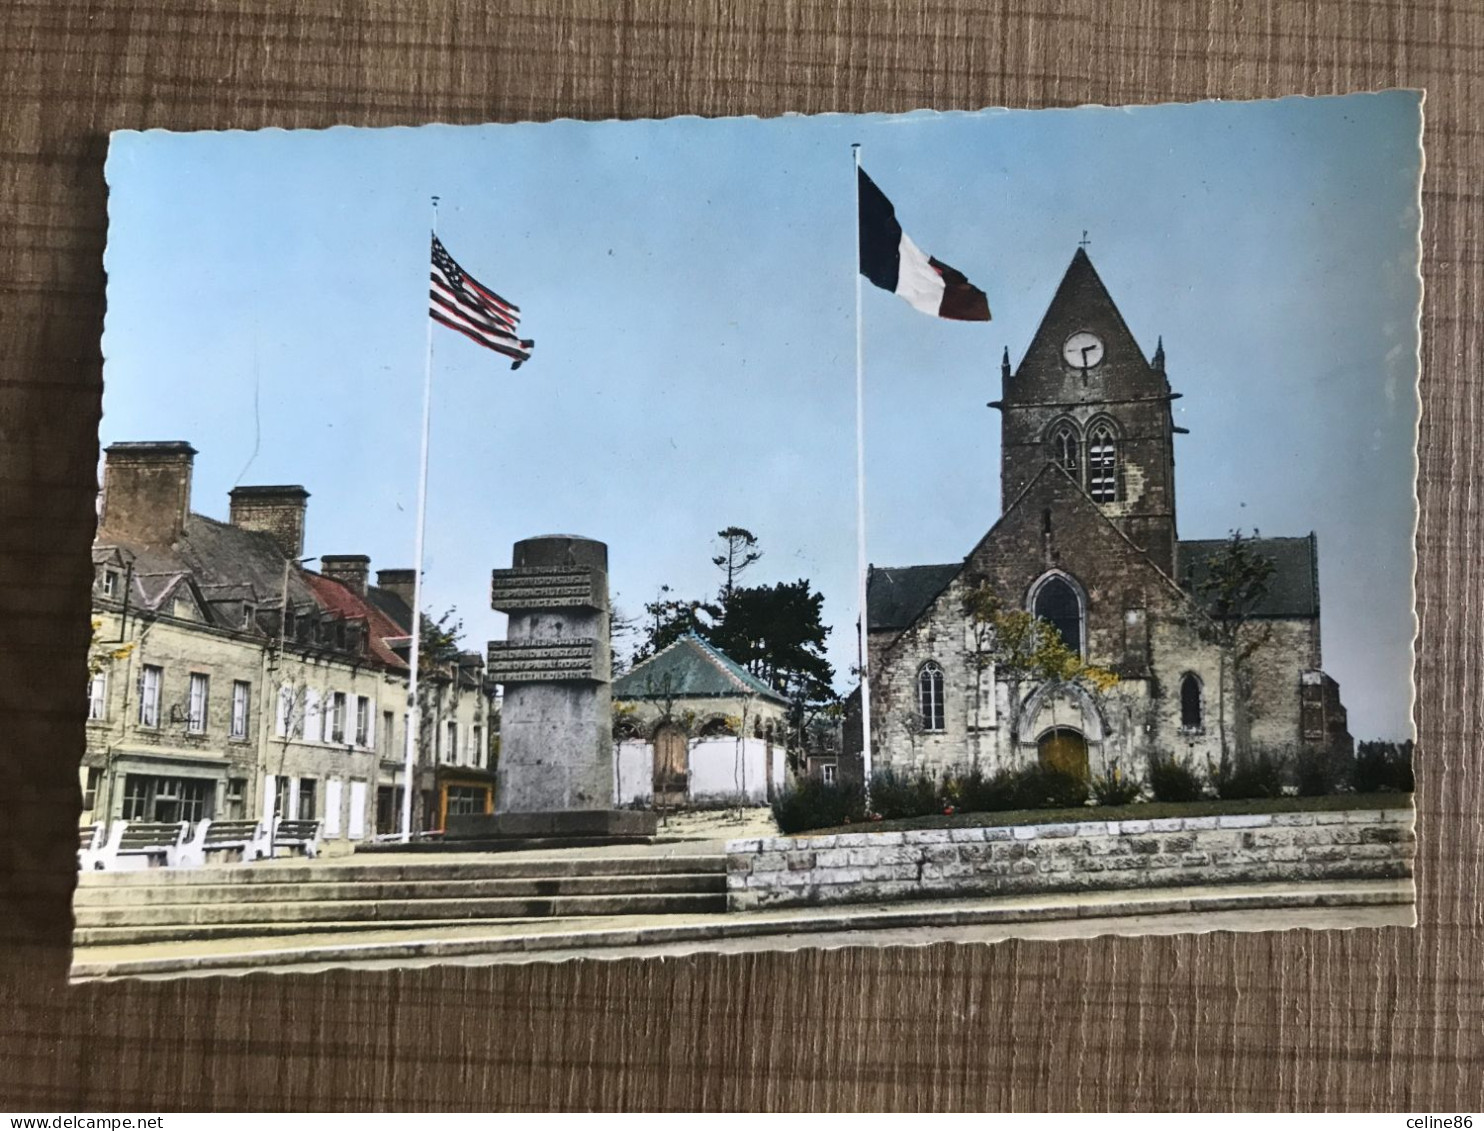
(1102, 464)
(1066, 449)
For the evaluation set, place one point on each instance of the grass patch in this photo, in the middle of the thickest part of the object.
(1138, 811)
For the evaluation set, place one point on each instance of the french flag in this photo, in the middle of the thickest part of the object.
(894, 263)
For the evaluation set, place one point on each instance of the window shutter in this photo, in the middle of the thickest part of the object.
(357, 825)
(332, 806)
(370, 724)
(312, 723)
(269, 784)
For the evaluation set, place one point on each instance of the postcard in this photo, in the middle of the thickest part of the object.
(593, 539)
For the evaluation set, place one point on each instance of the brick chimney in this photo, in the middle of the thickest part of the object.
(278, 511)
(350, 570)
(398, 582)
(147, 490)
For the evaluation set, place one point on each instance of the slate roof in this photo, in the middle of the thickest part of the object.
(897, 595)
(392, 606)
(224, 567)
(1293, 590)
(226, 562)
(342, 601)
(691, 668)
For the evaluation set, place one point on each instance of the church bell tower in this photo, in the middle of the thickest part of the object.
(1086, 399)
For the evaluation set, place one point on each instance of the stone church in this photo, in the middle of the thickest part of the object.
(1088, 541)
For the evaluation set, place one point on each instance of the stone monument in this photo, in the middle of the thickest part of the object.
(555, 777)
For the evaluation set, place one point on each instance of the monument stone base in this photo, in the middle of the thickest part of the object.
(555, 781)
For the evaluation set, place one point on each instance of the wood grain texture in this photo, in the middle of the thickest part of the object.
(1362, 1019)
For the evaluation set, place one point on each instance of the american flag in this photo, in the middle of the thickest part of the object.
(461, 302)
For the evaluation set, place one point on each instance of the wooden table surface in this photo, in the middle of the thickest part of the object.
(1384, 1019)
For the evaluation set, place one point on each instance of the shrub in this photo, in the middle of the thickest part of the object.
(814, 804)
(951, 792)
(1383, 766)
(994, 794)
(1115, 787)
(899, 795)
(1402, 773)
(1260, 774)
(1314, 770)
(1173, 779)
(1041, 787)
(1031, 787)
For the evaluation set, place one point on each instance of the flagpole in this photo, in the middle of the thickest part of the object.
(414, 713)
(860, 495)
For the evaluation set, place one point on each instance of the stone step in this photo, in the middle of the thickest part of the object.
(509, 844)
(432, 869)
(367, 890)
(131, 935)
(834, 925)
(376, 911)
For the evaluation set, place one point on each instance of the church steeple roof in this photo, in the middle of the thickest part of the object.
(1081, 302)
(1082, 378)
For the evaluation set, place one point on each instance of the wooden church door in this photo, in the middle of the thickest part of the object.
(1064, 749)
(671, 766)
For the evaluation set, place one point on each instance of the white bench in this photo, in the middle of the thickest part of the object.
(300, 835)
(89, 841)
(235, 840)
(135, 845)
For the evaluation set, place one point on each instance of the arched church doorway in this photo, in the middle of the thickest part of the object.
(1064, 749)
(671, 765)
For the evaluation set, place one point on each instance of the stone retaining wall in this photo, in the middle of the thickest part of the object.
(1089, 856)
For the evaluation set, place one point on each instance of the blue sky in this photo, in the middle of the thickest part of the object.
(689, 284)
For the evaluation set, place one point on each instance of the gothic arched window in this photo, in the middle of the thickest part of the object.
(1059, 604)
(930, 696)
(1192, 710)
(1102, 463)
(1066, 449)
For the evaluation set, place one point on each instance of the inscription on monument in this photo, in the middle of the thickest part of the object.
(542, 661)
(544, 587)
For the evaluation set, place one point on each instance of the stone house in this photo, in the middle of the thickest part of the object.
(821, 748)
(1087, 540)
(229, 680)
(694, 727)
(455, 772)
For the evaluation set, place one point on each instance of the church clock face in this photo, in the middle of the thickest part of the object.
(1083, 350)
